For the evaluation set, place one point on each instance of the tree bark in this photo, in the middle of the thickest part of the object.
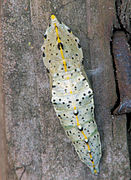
(38, 148)
(3, 147)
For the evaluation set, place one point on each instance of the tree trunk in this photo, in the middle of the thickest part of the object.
(38, 148)
(3, 147)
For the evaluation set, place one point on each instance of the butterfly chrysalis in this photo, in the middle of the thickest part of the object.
(72, 96)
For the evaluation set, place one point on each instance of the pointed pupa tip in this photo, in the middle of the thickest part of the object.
(53, 17)
(54, 20)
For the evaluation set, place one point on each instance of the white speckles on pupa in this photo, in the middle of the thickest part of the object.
(72, 96)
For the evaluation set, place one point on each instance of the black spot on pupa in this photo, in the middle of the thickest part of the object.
(60, 45)
(75, 88)
(89, 92)
(53, 86)
(67, 133)
(84, 79)
(45, 36)
(72, 57)
(43, 54)
(86, 141)
(90, 95)
(69, 30)
(76, 54)
(75, 112)
(80, 128)
(66, 51)
(49, 61)
(79, 46)
(47, 70)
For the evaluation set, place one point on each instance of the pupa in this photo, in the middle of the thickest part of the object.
(72, 96)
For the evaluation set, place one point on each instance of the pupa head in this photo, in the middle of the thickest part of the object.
(54, 20)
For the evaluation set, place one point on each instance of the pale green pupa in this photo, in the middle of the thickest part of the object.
(72, 96)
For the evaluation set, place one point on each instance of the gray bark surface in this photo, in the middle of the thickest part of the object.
(38, 148)
(3, 147)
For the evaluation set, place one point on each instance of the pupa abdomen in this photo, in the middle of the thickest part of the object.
(72, 96)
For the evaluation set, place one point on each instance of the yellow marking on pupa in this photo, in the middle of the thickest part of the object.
(61, 47)
(53, 16)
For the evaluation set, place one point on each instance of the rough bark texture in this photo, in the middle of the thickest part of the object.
(123, 9)
(3, 147)
(37, 146)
